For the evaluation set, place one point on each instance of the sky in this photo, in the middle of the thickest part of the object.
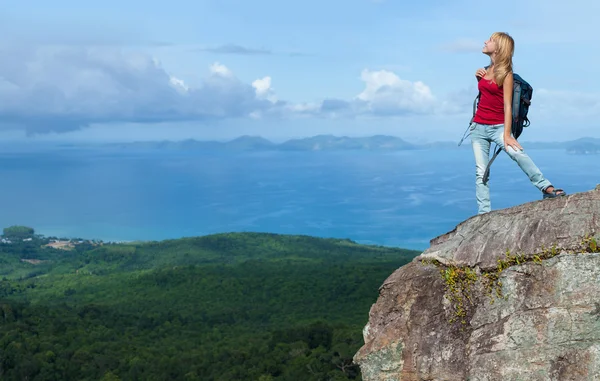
(99, 71)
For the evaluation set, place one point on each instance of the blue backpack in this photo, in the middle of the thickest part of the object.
(522, 93)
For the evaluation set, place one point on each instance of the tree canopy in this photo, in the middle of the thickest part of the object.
(222, 307)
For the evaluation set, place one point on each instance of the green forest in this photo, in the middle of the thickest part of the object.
(238, 306)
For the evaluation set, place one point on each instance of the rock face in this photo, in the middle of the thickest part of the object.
(483, 239)
(465, 310)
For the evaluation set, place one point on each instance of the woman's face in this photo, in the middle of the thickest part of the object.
(489, 46)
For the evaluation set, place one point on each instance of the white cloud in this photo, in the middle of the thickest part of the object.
(386, 93)
(62, 89)
(179, 84)
(221, 70)
(46, 89)
(264, 90)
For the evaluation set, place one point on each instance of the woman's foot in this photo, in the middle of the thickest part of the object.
(552, 192)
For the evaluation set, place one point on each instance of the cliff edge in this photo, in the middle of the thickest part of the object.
(513, 294)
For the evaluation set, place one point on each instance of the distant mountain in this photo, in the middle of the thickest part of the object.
(584, 148)
(561, 145)
(543, 145)
(255, 143)
(331, 143)
(243, 143)
(184, 145)
(249, 143)
(377, 143)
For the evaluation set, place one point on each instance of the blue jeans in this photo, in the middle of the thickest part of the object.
(482, 135)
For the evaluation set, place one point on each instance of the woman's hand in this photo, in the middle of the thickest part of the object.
(509, 141)
(480, 73)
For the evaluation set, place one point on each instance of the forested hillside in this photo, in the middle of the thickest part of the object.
(221, 307)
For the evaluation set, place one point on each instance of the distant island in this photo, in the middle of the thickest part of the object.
(584, 148)
(256, 143)
(376, 143)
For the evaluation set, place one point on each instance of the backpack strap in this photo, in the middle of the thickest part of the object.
(467, 131)
(486, 174)
(475, 102)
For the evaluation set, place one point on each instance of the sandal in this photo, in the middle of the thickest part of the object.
(556, 192)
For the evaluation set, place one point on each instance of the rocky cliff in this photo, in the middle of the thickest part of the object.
(509, 295)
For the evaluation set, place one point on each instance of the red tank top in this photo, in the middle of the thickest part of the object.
(491, 103)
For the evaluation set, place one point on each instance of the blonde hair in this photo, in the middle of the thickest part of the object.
(504, 53)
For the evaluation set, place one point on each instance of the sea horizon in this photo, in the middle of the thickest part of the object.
(397, 199)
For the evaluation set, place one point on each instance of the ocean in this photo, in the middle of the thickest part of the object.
(402, 198)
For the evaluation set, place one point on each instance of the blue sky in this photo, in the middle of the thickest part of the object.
(138, 70)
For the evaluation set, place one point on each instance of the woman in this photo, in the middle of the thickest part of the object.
(493, 118)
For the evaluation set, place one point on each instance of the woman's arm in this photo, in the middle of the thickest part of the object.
(508, 95)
